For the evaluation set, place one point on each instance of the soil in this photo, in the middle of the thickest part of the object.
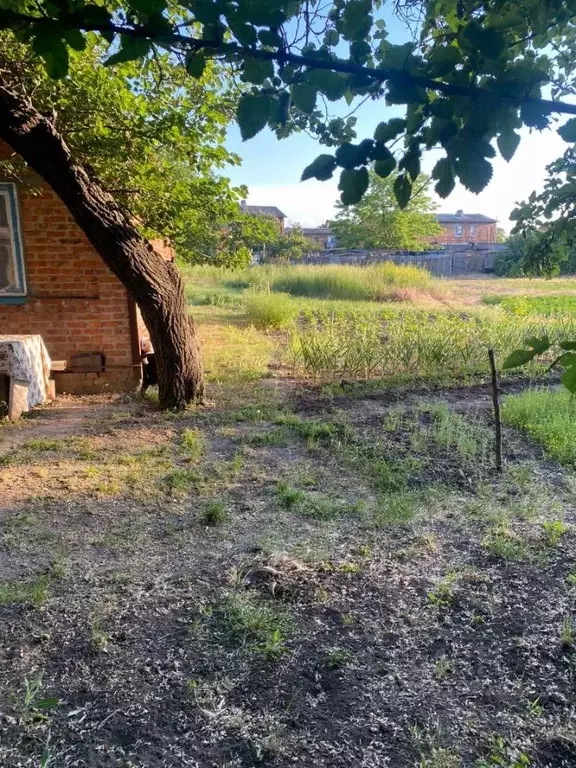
(401, 641)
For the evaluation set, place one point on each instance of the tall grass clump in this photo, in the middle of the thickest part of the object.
(414, 343)
(530, 305)
(270, 311)
(549, 417)
(376, 282)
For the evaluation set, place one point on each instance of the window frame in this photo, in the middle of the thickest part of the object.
(20, 292)
(458, 230)
(472, 230)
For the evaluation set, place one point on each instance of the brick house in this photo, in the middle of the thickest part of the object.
(53, 283)
(320, 238)
(269, 211)
(464, 228)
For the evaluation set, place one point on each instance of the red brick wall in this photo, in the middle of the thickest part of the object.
(74, 302)
(482, 233)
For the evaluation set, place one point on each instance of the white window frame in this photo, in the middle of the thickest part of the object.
(14, 232)
(458, 230)
(472, 230)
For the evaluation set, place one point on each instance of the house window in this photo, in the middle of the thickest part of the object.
(472, 230)
(12, 277)
(458, 230)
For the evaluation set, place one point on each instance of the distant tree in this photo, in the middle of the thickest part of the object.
(377, 221)
(288, 246)
(516, 259)
(501, 235)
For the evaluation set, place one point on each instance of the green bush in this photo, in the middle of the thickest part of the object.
(270, 311)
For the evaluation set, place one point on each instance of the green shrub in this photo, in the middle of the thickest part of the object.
(270, 311)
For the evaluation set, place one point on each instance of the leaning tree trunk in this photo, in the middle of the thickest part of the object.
(154, 284)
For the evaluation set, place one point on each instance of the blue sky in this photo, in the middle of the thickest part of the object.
(271, 169)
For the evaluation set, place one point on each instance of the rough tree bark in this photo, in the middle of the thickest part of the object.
(154, 284)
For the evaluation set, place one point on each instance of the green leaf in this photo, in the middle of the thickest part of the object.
(75, 39)
(196, 64)
(389, 130)
(508, 144)
(332, 84)
(474, 171)
(148, 7)
(322, 168)
(487, 40)
(252, 113)
(538, 345)
(443, 60)
(56, 61)
(443, 108)
(533, 116)
(381, 152)
(353, 184)
(256, 71)
(444, 174)
(402, 190)
(569, 379)
(304, 97)
(48, 703)
(384, 168)
(270, 38)
(568, 345)
(568, 130)
(518, 357)
(348, 156)
(331, 38)
(411, 163)
(130, 48)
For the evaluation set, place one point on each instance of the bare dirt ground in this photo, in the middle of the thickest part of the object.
(284, 579)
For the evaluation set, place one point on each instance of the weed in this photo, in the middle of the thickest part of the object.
(337, 658)
(442, 596)
(289, 496)
(442, 669)
(193, 444)
(99, 639)
(44, 446)
(350, 568)
(568, 633)
(571, 579)
(501, 755)
(32, 707)
(348, 619)
(214, 513)
(549, 417)
(432, 753)
(255, 624)
(271, 437)
(33, 592)
(397, 508)
(553, 532)
(179, 481)
(271, 311)
(501, 542)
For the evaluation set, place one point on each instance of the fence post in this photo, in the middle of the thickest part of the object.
(496, 403)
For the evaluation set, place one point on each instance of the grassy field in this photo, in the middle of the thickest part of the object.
(312, 568)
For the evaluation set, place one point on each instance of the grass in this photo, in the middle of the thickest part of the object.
(255, 624)
(540, 305)
(270, 311)
(22, 592)
(193, 444)
(549, 417)
(214, 513)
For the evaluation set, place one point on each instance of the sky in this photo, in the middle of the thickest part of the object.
(271, 169)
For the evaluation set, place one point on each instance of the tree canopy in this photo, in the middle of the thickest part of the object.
(153, 135)
(378, 222)
(474, 72)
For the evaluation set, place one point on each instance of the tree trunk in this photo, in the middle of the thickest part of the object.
(154, 284)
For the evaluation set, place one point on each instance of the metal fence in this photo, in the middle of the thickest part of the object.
(439, 263)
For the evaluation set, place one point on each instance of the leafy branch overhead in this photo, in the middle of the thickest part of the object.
(477, 73)
(538, 347)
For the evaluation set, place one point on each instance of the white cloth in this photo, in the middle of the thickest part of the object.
(25, 358)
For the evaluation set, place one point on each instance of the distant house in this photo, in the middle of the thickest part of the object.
(270, 211)
(464, 228)
(321, 238)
